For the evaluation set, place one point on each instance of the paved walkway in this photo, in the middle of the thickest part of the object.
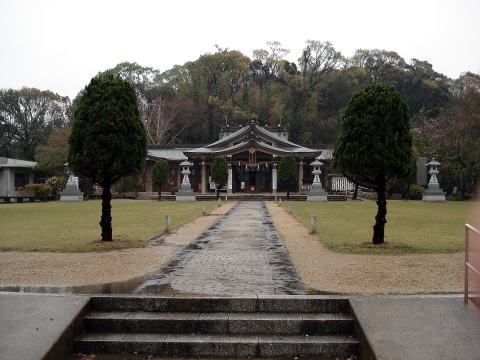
(241, 254)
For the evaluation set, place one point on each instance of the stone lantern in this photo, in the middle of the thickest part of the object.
(72, 191)
(317, 193)
(433, 192)
(185, 193)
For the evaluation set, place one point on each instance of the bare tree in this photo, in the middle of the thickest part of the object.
(317, 60)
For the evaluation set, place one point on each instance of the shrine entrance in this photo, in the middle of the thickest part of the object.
(252, 179)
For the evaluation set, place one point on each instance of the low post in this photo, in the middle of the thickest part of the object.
(290, 208)
(313, 224)
(219, 202)
(280, 201)
(276, 200)
(204, 211)
(167, 219)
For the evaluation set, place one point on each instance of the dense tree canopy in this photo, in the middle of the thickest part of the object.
(27, 117)
(189, 103)
(375, 143)
(108, 139)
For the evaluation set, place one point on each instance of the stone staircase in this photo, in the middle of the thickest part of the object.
(220, 327)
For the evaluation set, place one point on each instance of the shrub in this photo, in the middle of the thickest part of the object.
(174, 190)
(38, 189)
(57, 183)
(415, 192)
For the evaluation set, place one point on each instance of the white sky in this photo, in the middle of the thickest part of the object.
(61, 45)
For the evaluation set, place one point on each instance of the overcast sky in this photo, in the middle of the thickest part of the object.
(60, 45)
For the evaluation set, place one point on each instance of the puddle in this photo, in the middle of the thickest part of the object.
(121, 287)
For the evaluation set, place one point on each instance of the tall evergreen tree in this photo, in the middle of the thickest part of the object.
(288, 172)
(375, 144)
(160, 175)
(220, 173)
(108, 139)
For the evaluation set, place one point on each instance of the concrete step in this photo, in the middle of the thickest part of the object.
(218, 345)
(220, 323)
(261, 304)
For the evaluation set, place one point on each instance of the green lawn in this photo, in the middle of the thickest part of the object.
(73, 227)
(412, 227)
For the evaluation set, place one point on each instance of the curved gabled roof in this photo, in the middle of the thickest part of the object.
(252, 143)
(254, 136)
(228, 139)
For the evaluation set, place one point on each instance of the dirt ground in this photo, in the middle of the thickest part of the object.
(322, 270)
(68, 269)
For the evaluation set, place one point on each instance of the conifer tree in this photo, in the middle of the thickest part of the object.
(108, 139)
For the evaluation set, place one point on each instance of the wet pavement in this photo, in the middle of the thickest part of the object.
(241, 254)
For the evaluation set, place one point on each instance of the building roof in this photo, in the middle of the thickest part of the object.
(254, 136)
(326, 155)
(175, 154)
(9, 162)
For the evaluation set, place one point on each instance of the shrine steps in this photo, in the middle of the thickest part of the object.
(220, 327)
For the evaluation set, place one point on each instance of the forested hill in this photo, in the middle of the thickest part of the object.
(190, 102)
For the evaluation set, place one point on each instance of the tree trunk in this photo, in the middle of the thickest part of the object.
(288, 192)
(218, 192)
(106, 220)
(380, 218)
(160, 193)
(355, 192)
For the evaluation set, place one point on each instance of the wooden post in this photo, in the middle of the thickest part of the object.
(167, 219)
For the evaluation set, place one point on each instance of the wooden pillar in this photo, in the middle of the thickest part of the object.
(204, 178)
(179, 177)
(300, 176)
(274, 178)
(230, 179)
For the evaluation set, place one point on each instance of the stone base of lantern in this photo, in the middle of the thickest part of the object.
(317, 193)
(433, 193)
(317, 197)
(433, 196)
(185, 193)
(71, 197)
(185, 197)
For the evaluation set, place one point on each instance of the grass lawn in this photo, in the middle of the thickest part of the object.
(74, 226)
(412, 226)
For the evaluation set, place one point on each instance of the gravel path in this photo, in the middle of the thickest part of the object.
(322, 270)
(67, 269)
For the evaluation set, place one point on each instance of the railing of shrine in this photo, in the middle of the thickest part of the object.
(341, 183)
(471, 263)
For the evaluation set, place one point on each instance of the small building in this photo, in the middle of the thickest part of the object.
(14, 175)
(253, 153)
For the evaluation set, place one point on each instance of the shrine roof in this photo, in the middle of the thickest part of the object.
(175, 154)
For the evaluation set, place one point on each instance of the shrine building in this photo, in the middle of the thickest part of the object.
(253, 153)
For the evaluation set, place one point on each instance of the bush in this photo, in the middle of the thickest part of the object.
(415, 192)
(38, 189)
(174, 190)
(57, 183)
